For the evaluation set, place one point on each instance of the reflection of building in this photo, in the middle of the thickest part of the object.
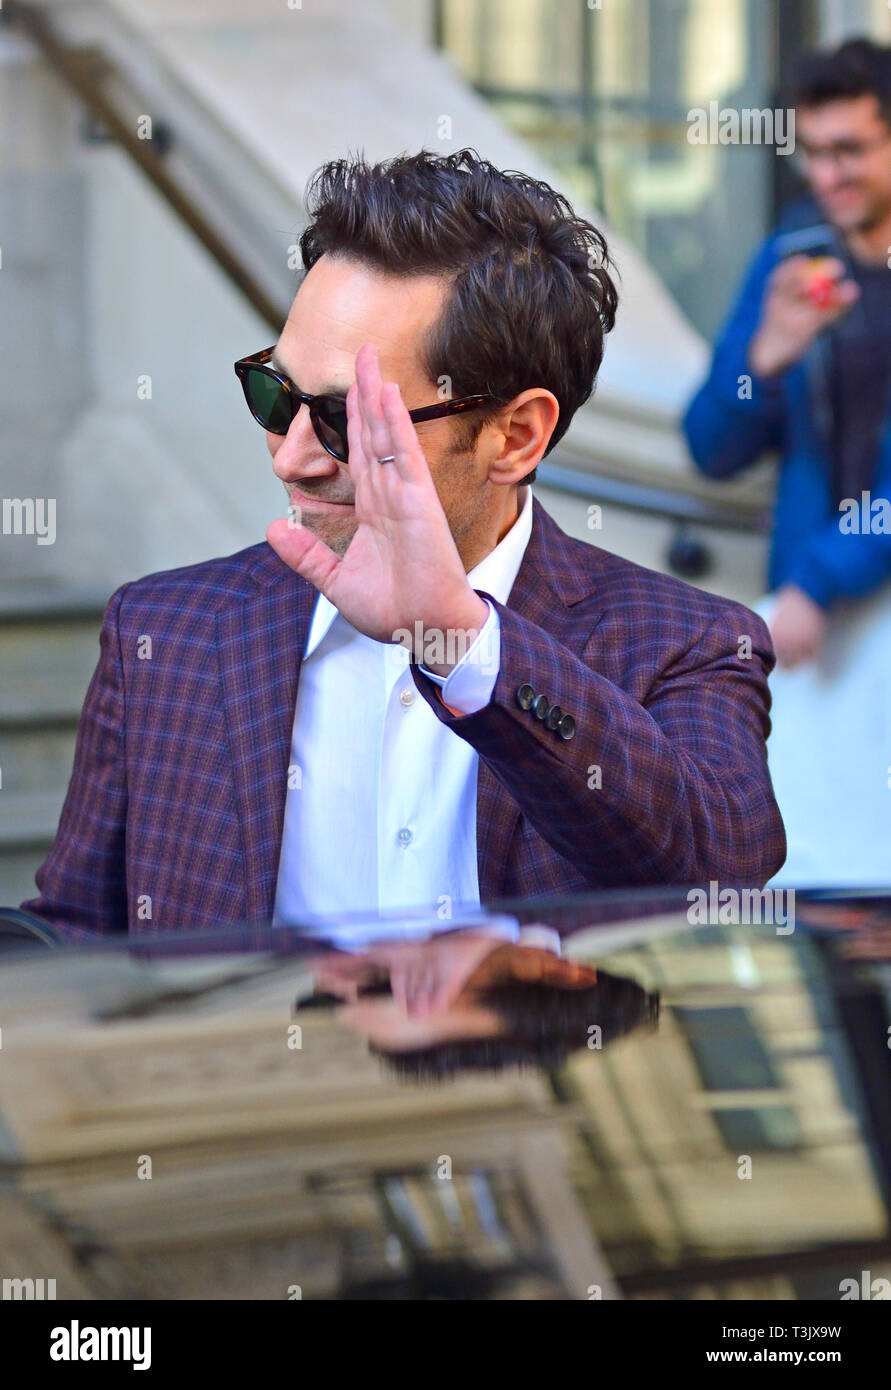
(753, 1058)
(195, 1154)
(274, 1166)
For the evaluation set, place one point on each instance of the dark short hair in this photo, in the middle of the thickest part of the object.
(858, 68)
(544, 1025)
(531, 298)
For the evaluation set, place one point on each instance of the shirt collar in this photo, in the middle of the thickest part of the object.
(495, 574)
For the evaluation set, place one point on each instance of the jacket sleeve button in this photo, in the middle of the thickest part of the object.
(555, 714)
(566, 727)
(541, 707)
(525, 696)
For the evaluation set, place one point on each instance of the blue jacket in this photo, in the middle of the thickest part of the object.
(790, 414)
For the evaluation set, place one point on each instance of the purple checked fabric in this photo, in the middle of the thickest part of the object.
(174, 812)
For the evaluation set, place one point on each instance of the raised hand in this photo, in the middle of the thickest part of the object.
(402, 565)
(793, 314)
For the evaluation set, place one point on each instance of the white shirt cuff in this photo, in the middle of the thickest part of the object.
(469, 685)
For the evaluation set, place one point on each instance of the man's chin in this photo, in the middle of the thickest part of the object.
(854, 217)
(335, 533)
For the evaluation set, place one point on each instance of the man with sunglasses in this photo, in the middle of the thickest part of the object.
(418, 692)
(803, 365)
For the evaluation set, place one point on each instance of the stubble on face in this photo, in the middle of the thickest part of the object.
(859, 201)
(331, 530)
(341, 305)
(453, 478)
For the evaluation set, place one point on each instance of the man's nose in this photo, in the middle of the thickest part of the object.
(826, 177)
(299, 453)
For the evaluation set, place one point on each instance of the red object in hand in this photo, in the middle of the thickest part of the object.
(822, 287)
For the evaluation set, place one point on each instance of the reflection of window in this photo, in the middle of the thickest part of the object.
(728, 1051)
(770, 1127)
(730, 1056)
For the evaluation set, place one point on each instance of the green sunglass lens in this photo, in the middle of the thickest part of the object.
(331, 425)
(270, 402)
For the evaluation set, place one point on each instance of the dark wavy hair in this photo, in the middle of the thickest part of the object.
(858, 68)
(531, 294)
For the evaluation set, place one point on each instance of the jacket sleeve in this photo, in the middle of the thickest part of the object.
(685, 794)
(831, 563)
(82, 887)
(736, 416)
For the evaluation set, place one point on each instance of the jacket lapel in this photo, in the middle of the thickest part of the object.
(549, 583)
(261, 641)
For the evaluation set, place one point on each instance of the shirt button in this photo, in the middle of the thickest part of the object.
(405, 836)
(407, 697)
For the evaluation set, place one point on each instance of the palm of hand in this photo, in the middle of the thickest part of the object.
(402, 564)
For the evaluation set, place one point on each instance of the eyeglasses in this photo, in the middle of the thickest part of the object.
(846, 154)
(274, 400)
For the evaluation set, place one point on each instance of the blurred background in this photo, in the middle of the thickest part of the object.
(154, 159)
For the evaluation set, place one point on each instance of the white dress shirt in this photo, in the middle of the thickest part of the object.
(383, 814)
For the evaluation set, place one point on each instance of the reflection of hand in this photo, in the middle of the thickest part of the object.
(872, 944)
(865, 930)
(343, 974)
(797, 626)
(427, 977)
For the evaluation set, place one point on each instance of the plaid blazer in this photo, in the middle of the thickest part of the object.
(624, 743)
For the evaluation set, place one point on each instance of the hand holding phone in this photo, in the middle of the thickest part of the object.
(805, 294)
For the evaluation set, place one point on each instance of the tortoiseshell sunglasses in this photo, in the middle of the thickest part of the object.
(274, 400)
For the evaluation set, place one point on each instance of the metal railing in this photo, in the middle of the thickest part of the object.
(85, 71)
(661, 503)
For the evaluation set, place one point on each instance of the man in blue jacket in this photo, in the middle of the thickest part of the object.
(803, 365)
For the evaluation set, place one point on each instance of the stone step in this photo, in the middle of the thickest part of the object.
(45, 667)
(48, 651)
(35, 757)
(17, 869)
(28, 825)
(28, 820)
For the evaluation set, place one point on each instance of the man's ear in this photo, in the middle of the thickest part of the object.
(527, 423)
